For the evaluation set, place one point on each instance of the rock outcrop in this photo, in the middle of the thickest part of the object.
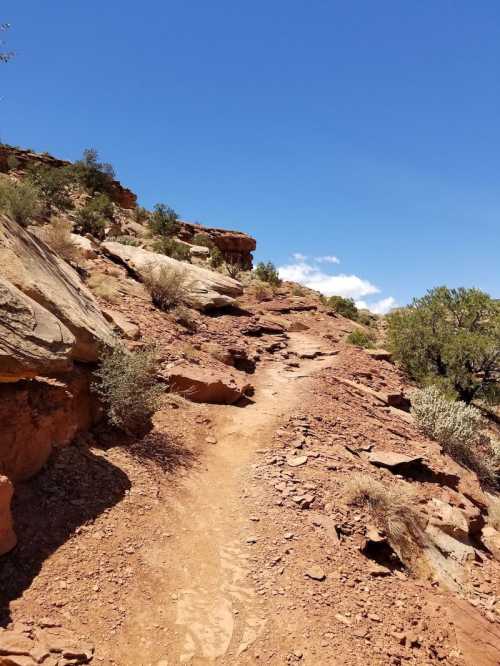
(32, 341)
(37, 271)
(41, 414)
(204, 385)
(205, 289)
(7, 536)
(235, 246)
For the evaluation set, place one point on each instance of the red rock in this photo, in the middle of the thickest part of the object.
(205, 385)
(7, 536)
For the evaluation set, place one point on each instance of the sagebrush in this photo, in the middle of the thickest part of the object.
(19, 200)
(168, 286)
(457, 427)
(127, 384)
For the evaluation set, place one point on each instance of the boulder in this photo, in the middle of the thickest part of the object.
(32, 341)
(235, 246)
(379, 354)
(37, 415)
(262, 325)
(393, 460)
(122, 325)
(7, 536)
(37, 271)
(88, 249)
(291, 304)
(478, 639)
(205, 385)
(205, 289)
(491, 539)
(449, 519)
(199, 251)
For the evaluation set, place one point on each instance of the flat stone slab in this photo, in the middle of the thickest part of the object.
(392, 459)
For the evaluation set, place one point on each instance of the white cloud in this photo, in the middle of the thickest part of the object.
(328, 259)
(348, 286)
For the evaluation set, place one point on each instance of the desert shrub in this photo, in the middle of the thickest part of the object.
(104, 286)
(450, 337)
(185, 317)
(203, 240)
(57, 235)
(127, 384)
(457, 427)
(95, 216)
(168, 286)
(232, 268)
(394, 511)
(12, 163)
(361, 338)
(93, 175)
(343, 306)
(365, 318)
(172, 248)
(125, 240)
(298, 290)
(53, 184)
(163, 221)
(216, 257)
(141, 215)
(262, 293)
(267, 272)
(19, 200)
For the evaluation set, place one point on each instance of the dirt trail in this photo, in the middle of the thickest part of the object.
(199, 579)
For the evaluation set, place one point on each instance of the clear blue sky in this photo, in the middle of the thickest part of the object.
(365, 130)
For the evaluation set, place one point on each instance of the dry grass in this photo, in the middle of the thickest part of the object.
(104, 286)
(393, 511)
(57, 235)
(168, 287)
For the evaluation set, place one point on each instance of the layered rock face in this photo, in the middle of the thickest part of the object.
(206, 289)
(31, 266)
(7, 535)
(235, 246)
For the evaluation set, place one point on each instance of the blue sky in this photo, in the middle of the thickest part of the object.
(366, 131)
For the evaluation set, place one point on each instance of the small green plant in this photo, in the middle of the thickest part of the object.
(216, 257)
(126, 240)
(127, 384)
(95, 176)
(203, 240)
(53, 184)
(267, 272)
(168, 286)
(164, 221)
(343, 306)
(361, 338)
(57, 235)
(19, 200)
(95, 216)
(172, 248)
(141, 215)
(457, 427)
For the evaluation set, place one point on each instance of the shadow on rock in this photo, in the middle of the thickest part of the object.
(164, 451)
(74, 488)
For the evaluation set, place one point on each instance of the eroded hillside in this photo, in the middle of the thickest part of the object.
(233, 531)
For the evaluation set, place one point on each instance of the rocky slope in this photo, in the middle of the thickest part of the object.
(227, 534)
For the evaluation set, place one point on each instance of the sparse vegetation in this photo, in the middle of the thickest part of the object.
(233, 268)
(361, 338)
(57, 235)
(163, 221)
(95, 216)
(172, 248)
(203, 240)
(450, 337)
(262, 292)
(267, 272)
(127, 384)
(126, 240)
(104, 286)
(393, 511)
(12, 163)
(19, 200)
(53, 184)
(141, 215)
(298, 290)
(95, 176)
(168, 286)
(185, 317)
(216, 257)
(457, 427)
(343, 306)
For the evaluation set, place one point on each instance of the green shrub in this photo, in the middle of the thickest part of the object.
(172, 248)
(95, 216)
(361, 338)
(216, 257)
(168, 286)
(19, 200)
(126, 240)
(164, 221)
(457, 427)
(267, 273)
(141, 214)
(95, 176)
(127, 384)
(450, 337)
(53, 184)
(203, 240)
(343, 306)
(232, 268)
